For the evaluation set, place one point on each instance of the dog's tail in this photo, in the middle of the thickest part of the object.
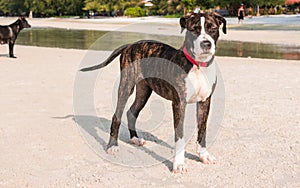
(112, 56)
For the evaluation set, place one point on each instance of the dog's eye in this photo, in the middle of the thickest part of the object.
(213, 29)
(194, 31)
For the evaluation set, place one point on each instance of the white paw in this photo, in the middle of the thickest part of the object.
(205, 157)
(209, 159)
(179, 169)
(178, 164)
(112, 150)
(137, 141)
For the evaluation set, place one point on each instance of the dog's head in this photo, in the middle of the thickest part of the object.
(202, 34)
(22, 22)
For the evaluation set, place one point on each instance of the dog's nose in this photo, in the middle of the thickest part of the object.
(206, 45)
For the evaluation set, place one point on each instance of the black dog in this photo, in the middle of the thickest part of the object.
(9, 33)
(186, 75)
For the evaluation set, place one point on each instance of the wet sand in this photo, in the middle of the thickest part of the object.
(161, 26)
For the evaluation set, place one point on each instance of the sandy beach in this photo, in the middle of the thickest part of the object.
(41, 145)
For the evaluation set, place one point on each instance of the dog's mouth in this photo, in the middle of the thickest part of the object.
(203, 53)
(202, 56)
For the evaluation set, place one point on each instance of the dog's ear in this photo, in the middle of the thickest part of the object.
(220, 21)
(183, 20)
(182, 23)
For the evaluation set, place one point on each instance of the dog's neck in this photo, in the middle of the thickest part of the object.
(16, 26)
(194, 62)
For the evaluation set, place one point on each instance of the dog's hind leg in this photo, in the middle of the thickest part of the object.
(143, 92)
(125, 90)
(202, 116)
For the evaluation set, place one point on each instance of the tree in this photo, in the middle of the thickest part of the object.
(175, 7)
(55, 7)
(92, 5)
(4, 8)
(15, 7)
(35, 6)
(75, 7)
(188, 5)
(160, 7)
(205, 4)
(109, 5)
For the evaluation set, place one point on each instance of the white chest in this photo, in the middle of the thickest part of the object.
(199, 83)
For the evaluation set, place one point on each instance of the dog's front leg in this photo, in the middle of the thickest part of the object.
(178, 118)
(202, 116)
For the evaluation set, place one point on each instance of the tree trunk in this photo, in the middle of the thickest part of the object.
(30, 14)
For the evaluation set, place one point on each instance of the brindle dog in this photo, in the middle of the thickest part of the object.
(143, 65)
(9, 33)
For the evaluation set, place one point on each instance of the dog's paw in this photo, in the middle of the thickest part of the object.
(179, 169)
(137, 141)
(208, 159)
(112, 150)
(205, 157)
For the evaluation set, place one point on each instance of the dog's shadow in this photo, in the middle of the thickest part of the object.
(4, 55)
(91, 125)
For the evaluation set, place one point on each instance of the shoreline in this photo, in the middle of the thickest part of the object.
(162, 26)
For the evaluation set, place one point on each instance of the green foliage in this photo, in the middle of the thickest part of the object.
(92, 5)
(109, 5)
(42, 7)
(189, 4)
(15, 7)
(175, 7)
(3, 6)
(160, 7)
(35, 5)
(135, 12)
(173, 16)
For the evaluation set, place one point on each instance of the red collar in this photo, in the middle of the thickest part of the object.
(193, 61)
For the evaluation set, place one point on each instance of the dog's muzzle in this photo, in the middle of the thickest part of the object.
(205, 45)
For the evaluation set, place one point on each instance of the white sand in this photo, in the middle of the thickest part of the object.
(41, 145)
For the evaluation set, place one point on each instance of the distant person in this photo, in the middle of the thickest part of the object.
(241, 14)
